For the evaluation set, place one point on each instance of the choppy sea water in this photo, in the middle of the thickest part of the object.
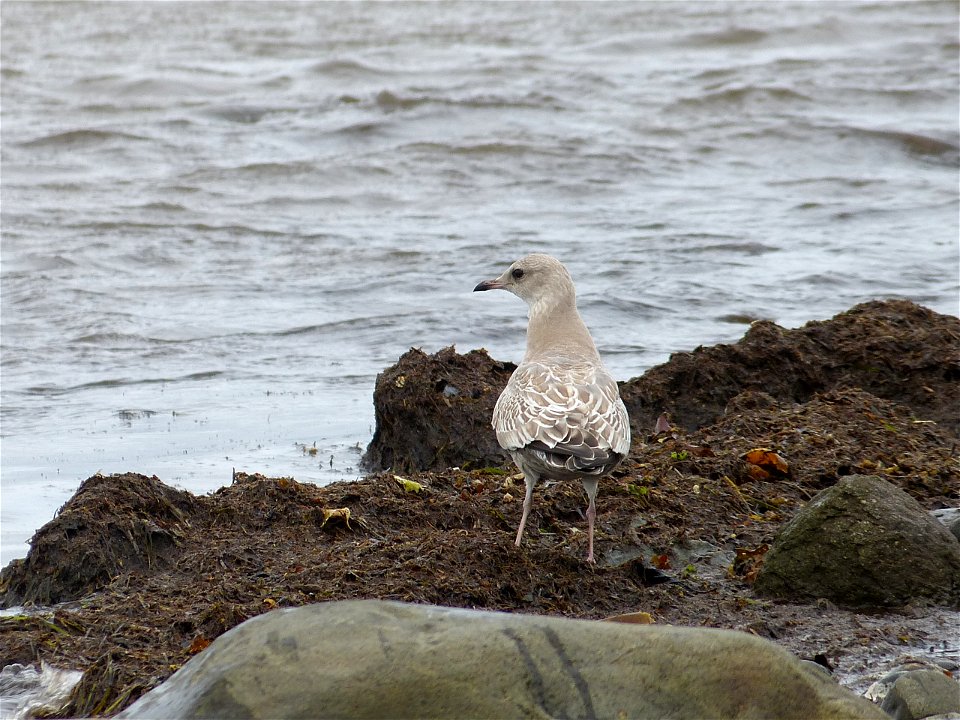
(221, 220)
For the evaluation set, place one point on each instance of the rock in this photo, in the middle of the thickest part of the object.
(112, 524)
(374, 659)
(894, 349)
(951, 518)
(863, 543)
(878, 691)
(816, 667)
(920, 694)
(433, 411)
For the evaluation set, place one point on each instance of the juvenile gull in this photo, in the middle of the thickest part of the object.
(560, 416)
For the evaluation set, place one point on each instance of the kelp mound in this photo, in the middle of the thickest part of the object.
(110, 526)
(894, 349)
(433, 411)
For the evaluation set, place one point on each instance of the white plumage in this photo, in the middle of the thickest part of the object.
(560, 416)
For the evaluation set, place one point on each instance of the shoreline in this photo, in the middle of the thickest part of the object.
(150, 575)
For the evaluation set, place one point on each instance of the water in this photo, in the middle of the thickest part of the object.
(26, 692)
(220, 221)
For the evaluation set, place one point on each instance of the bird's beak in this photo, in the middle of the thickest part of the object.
(489, 285)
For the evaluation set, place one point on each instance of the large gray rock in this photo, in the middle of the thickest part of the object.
(374, 659)
(861, 543)
(921, 694)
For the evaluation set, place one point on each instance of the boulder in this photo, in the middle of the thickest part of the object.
(375, 659)
(921, 694)
(863, 543)
(878, 691)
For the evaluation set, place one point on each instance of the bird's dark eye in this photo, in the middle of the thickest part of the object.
(517, 273)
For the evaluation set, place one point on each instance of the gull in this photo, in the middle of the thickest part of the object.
(560, 416)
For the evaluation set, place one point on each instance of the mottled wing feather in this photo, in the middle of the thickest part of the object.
(567, 419)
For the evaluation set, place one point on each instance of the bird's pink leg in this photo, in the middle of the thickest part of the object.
(527, 502)
(591, 516)
(590, 485)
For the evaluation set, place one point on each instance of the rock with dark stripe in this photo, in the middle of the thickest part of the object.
(373, 659)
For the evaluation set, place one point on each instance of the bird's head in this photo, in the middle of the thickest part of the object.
(539, 279)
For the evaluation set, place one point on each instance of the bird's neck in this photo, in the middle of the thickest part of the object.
(556, 330)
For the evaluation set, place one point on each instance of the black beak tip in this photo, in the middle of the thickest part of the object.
(485, 285)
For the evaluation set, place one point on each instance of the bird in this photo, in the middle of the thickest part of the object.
(560, 416)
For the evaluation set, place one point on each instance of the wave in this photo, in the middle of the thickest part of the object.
(199, 228)
(913, 143)
(739, 318)
(348, 69)
(160, 88)
(81, 138)
(386, 100)
(243, 114)
(744, 94)
(826, 279)
(479, 149)
(356, 324)
(850, 182)
(390, 101)
(351, 326)
(363, 129)
(740, 248)
(116, 338)
(730, 36)
(302, 170)
(160, 206)
(54, 390)
(52, 262)
(275, 169)
(633, 308)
